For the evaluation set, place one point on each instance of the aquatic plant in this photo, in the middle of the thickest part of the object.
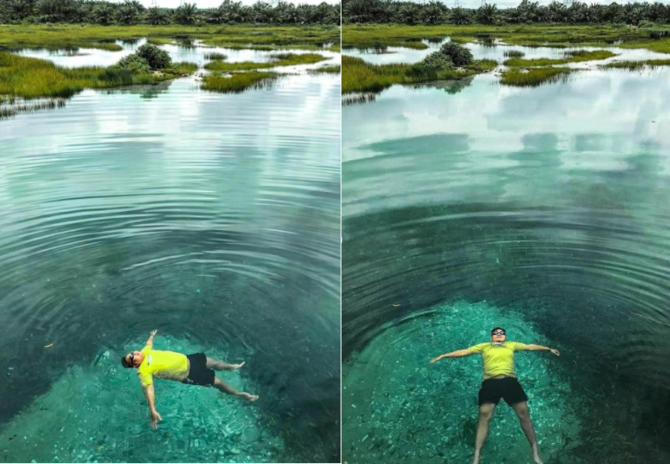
(238, 82)
(334, 69)
(458, 54)
(514, 54)
(215, 56)
(636, 65)
(570, 57)
(157, 58)
(437, 60)
(533, 77)
(134, 63)
(360, 76)
(281, 59)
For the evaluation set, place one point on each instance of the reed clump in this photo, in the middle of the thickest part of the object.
(215, 56)
(514, 54)
(238, 83)
(533, 77)
(636, 65)
(335, 69)
(280, 59)
(575, 56)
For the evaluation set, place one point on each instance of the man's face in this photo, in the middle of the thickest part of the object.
(498, 336)
(134, 358)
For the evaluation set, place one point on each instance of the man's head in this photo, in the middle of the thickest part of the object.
(498, 335)
(132, 359)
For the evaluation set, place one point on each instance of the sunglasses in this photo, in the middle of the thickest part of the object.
(132, 359)
(498, 332)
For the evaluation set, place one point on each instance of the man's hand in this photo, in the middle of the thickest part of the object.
(554, 351)
(155, 417)
(435, 359)
(153, 333)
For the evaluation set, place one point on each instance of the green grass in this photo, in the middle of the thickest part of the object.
(239, 82)
(514, 54)
(636, 65)
(215, 56)
(360, 76)
(570, 57)
(533, 77)
(30, 78)
(281, 59)
(334, 69)
(160, 41)
(378, 35)
(64, 36)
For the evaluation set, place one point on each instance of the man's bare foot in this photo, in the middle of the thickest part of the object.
(237, 366)
(536, 457)
(249, 396)
(475, 460)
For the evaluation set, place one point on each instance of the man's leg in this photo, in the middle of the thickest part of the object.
(220, 365)
(224, 387)
(522, 411)
(485, 415)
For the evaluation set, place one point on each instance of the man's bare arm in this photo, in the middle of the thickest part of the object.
(150, 340)
(541, 348)
(453, 354)
(151, 399)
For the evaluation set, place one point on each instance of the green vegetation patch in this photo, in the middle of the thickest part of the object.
(34, 78)
(67, 36)
(360, 76)
(398, 35)
(636, 65)
(281, 59)
(533, 77)
(215, 56)
(335, 69)
(239, 82)
(575, 56)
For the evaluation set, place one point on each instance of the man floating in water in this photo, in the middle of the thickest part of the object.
(500, 382)
(194, 369)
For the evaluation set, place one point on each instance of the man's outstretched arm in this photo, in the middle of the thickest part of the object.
(541, 348)
(454, 354)
(151, 399)
(150, 340)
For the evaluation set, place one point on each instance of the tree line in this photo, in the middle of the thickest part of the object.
(132, 12)
(527, 12)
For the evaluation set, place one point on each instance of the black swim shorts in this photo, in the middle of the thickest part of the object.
(507, 388)
(199, 373)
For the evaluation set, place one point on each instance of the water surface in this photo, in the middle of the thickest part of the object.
(545, 206)
(213, 218)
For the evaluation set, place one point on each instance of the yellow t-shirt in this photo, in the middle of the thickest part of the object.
(162, 365)
(498, 360)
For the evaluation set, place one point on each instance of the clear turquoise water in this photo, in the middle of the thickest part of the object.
(213, 218)
(545, 203)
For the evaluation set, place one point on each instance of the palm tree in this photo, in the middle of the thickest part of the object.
(487, 14)
(460, 16)
(157, 16)
(434, 12)
(129, 12)
(186, 14)
(104, 13)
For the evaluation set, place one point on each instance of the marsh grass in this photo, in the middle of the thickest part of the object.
(31, 78)
(514, 54)
(280, 59)
(238, 82)
(378, 35)
(360, 76)
(636, 65)
(334, 69)
(533, 77)
(160, 41)
(575, 56)
(14, 106)
(215, 56)
(102, 37)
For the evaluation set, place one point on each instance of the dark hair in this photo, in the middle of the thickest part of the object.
(125, 363)
(498, 328)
